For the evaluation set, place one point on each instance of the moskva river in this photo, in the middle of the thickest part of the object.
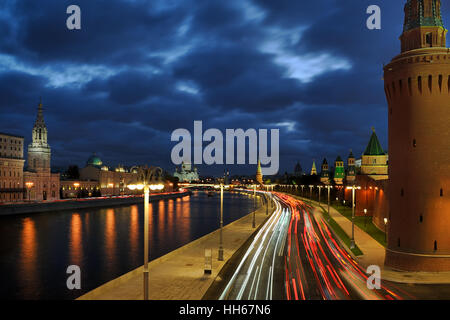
(36, 249)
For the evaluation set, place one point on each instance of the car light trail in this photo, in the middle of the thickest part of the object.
(295, 252)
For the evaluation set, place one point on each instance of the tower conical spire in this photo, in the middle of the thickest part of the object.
(374, 146)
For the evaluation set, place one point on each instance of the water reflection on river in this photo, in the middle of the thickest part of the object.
(35, 250)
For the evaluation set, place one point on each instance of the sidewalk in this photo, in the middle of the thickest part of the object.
(179, 275)
(374, 254)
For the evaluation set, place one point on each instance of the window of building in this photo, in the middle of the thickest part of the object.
(429, 39)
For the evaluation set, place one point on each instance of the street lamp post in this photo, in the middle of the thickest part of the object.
(385, 229)
(320, 188)
(310, 192)
(221, 224)
(352, 241)
(254, 207)
(145, 176)
(328, 187)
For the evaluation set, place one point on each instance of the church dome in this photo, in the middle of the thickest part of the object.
(94, 161)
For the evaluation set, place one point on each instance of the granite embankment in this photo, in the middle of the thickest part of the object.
(27, 208)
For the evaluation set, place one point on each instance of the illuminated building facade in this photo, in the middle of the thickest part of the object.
(11, 168)
(109, 181)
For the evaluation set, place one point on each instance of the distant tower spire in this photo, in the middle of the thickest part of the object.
(259, 177)
(351, 169)
(39, 152)
(324, 173)
(314, 169)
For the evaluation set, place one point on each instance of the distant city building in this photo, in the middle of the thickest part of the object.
(374, 161)
(109, 181)
(44, 184)
(79, 188)
(314, 169)
(339, 171)
(11, 168)
(186, 173)
(324, 172)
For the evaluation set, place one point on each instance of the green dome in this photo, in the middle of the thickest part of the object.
(94, 161)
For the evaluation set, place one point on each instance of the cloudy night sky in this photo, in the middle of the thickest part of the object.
(137, 70)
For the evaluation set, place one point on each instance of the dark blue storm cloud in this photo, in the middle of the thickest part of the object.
(137, 70)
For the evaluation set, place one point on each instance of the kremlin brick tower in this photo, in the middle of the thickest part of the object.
(417, 86)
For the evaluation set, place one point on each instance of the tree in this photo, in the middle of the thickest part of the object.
(73, 173)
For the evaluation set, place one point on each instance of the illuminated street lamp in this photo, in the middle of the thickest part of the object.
(310, 192)
(365, 218)
(302, 189)
(75, 187)
(320, 187)
(352, 241)
(385, 229)
(29, 185)
(145, 176)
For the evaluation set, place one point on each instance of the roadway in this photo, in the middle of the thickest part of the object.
(296, 256)
(259, 273)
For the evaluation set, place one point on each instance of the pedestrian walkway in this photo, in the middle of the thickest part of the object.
(179, 275)
(374, 254)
